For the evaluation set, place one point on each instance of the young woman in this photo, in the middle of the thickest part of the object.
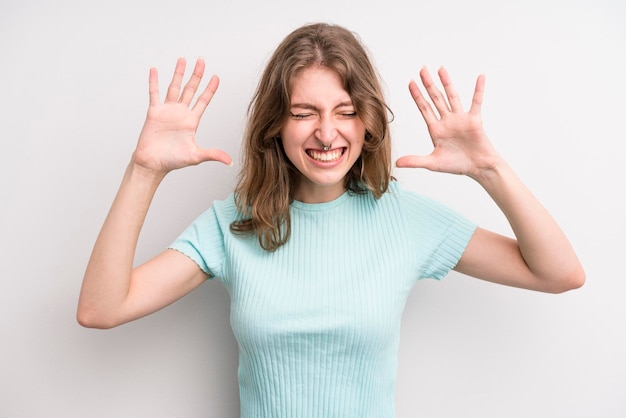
(318, 245)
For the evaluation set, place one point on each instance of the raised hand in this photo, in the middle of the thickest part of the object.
(168, 138)
(460, 143)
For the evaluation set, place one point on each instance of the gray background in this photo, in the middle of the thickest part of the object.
(73, 97)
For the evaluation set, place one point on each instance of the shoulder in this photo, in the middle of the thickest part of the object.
(225, 205)
(402, 196)
(217, 217)
(222, 209)
(421, 208)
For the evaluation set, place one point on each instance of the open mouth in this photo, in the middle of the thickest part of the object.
(326, 156)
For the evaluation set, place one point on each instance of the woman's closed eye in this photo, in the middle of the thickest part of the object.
(299, 116)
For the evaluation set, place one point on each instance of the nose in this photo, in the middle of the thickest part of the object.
(326, 131)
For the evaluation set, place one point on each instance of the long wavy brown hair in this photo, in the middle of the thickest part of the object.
(267, 180)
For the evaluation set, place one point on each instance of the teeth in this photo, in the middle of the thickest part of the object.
(326, 156)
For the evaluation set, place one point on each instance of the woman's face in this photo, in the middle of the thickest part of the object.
(321, 114)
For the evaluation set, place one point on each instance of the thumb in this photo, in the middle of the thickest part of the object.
(414, 161)
(205, 154)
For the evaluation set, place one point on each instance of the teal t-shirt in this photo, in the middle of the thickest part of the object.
(318, 321)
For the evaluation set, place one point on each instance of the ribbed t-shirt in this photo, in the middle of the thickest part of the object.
(317, 321)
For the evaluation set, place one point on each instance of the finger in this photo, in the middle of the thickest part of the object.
(479, 91)
(414, 161)
(153, 87)
(453, 97)
(173, 91)
(207, 95)
(192, 85)
(205, 154)
(422, 104)
(433, 92)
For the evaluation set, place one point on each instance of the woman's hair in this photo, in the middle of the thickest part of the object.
(267, 180)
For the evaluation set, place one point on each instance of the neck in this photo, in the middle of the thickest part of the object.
(316, 193)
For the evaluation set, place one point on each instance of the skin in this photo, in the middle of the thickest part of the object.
(321, 113)
(540, 257)
(113, 292)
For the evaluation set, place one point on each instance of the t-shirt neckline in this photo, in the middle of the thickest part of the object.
(316, 207)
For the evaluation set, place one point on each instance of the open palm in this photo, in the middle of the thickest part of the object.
(460, 143)
(168, 138)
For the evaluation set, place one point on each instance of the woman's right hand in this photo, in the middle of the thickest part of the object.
(168, 138)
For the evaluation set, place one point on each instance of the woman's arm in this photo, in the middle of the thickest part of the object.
(113, 292)
(540, 257)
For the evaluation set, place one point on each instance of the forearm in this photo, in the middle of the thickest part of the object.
(545, 249)
(108, 275)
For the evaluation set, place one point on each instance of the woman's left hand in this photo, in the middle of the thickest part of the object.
(461, 145)
(540, 257)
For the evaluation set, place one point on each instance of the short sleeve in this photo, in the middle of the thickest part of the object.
(442, 234)
(203, 242)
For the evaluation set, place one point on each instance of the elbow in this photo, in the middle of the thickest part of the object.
(579, 280)
(90, 319)
(570, 281)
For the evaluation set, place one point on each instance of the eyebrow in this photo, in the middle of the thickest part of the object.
(310, 106)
